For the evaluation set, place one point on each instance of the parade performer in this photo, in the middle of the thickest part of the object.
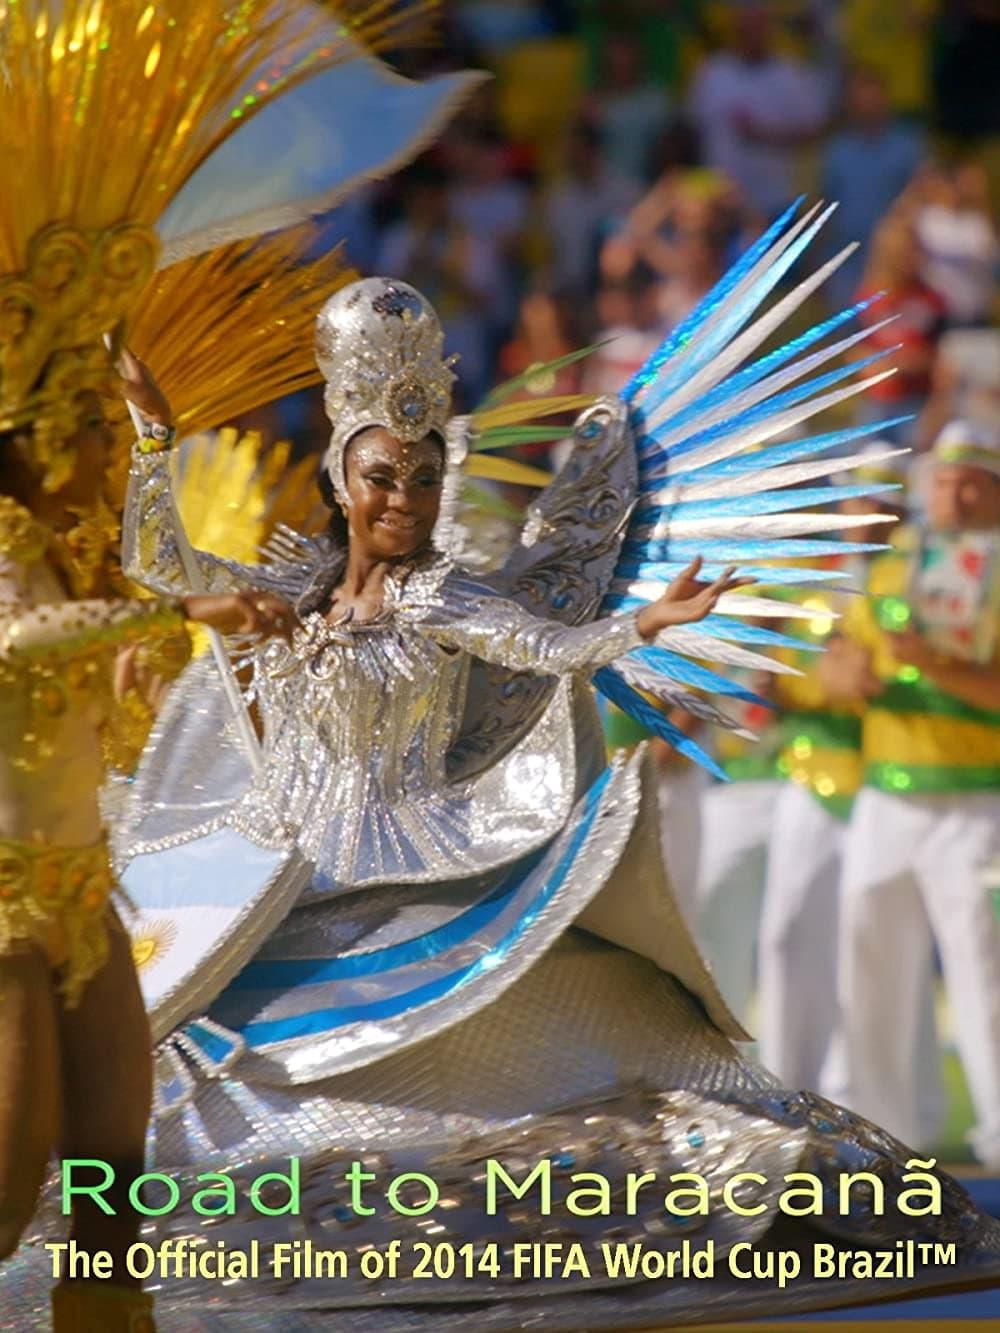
(110, 113)
(66, 972)
(820, 761)
(736, 818)
(469, 947)
(921, 651)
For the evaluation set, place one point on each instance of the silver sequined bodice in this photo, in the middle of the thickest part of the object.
(377, 692)
(358, 721)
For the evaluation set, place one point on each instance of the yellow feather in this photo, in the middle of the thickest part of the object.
(518, 413)
(506, 469)
(230, 330)
(110, 106)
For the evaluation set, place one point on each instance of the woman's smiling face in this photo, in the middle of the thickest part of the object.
(394, 492)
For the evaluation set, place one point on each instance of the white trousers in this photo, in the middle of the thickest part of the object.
(797, 954)
(912, 877)
(735, 828)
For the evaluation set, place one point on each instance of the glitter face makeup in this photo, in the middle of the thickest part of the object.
(393, 492)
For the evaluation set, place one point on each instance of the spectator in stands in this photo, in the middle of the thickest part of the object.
(683, 230)
(866, 166)
(545, 332)
(487, 202)
(582, 208)
(629, 110)
(667, 31)
(892, 39)
(631, 329)
(755, 110)
(894, 268)
(456, 269)
(957, 235)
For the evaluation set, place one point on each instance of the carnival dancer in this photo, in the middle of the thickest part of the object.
(66, 972)
(922, 652)
(474, 946)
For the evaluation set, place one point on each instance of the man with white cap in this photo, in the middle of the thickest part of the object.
(922, 649)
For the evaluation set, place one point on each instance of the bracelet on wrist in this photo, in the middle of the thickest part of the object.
(155, 437)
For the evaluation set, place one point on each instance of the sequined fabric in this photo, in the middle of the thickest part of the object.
(57, 897)
(56, 653)
(382, 703)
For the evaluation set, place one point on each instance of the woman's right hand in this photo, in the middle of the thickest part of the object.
(139, 387)
(687, 600)
(253, 614)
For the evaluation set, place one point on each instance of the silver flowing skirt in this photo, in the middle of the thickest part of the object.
(596, 1060)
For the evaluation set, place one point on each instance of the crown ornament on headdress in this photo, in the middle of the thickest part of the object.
(380, 347)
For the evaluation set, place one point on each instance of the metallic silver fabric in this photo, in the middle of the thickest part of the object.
(358, 723)
(472, 971)
(561, 570)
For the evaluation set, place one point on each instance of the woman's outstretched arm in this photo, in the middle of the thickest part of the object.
(501, 631)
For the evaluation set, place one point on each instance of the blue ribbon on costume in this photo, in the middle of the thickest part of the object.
(325, 1020)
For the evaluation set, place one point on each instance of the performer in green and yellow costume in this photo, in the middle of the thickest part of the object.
(820, 765)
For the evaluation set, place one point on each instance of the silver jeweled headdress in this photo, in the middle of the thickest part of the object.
(380, 347)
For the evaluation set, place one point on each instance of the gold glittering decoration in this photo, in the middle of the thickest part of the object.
(45, 889)
(75, 287)
(22, 538)
(87, 552)
(107, 108)
(113, 104)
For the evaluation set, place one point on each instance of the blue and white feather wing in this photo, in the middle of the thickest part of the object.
(717, 476)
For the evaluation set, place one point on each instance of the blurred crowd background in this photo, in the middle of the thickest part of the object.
(626, 150)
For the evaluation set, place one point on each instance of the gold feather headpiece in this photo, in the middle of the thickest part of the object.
(107, 108)
(231, 330)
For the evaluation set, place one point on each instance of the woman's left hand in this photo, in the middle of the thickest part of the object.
(687, 600)
(140, 388)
